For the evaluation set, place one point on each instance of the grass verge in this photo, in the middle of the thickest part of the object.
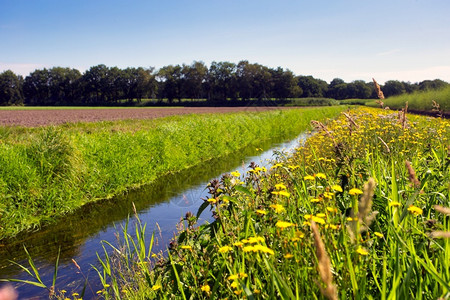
(360, 211)
(46, 172)
(420, 101)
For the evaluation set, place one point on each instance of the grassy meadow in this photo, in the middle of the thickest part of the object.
(420, 101)
(361, 211)
(49, 171)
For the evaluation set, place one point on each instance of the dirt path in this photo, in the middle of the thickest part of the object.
(34, 118)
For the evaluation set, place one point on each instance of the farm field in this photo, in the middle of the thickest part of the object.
(360, 211)
(42, 116)
(51, 170)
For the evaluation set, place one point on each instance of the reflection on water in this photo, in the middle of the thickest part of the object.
(160, 204)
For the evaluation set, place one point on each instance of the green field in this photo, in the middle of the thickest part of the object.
(49, 171)
(361, 211)
(419, 101)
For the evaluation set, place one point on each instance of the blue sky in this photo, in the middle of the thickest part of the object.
(351, 39)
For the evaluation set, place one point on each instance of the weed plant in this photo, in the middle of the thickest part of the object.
(359, 212)
(48, 171)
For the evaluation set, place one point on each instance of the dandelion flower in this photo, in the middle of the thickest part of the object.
(255, 239)
(235, 284)
(378, 234)
(264, 249)
(321, 215)
(337, 188)
(362, 251)
(224, 249)
(318, 220)
(249, 249)
(394, 204)
(321, 176)
(315, 200)
(238, 244)
(235, 174)
(233, 277)
(280, 186)
(278, 208)
(186, 247)
(205, 288)
(308, 177)
(261, 212)
(355, 191)
(415, 210)
(283, 224)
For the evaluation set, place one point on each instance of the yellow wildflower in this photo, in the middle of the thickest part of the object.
(156, 287)
(318, 220)
(233, 277)
(307, 217)
(212, 200)
(337, 188)
(321, 215)
(280, 186)
(321, 175)
(235, 284)
(249, 249)
(255, 239)
(415, 210)
(224, 249)
(308, 177)
(264, 249)
(243, 275)
(362, 251)
(315, 200)
(235, 174)
(278, 208)
(261, 212)
(331, 209)
(186, 247)
(205, 288)
(378, 234)
(238, 244)
(283, 224)
(288, 255)
(355, 191)
(394, 204)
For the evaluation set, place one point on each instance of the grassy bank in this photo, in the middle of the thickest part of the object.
(46, 172)
(420, 101)
(361, 211)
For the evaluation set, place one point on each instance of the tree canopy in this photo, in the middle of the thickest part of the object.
(221, 81)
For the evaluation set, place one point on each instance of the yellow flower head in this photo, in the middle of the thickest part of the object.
(320, 175)
(238, 244)
(235, 174)
(288, 255)
(282, 224)
(186, 247)
(308, 177)
(321, 215)
(337, 188)
(235, 284)
(264, 249)
(212, 200)
(355, 191)
(205, 288)
(156, 287)
(362, 251)
(415, 210)
(315, 200)
(394, 204)
(378, 234)
(280, 186)
(318, 220)
(255, 239)
(278, 208)
(249, 249)
(233, 277)
(261, 212)
(224, 249)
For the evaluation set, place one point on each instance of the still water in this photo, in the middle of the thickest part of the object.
(161, 205)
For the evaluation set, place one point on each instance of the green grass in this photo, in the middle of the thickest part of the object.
(356, 101)
(48, 171)
(419, 101)
(344, 217)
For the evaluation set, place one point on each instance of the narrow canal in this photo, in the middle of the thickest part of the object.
(161, 205)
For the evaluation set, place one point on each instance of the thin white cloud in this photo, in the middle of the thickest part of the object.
(23, 69)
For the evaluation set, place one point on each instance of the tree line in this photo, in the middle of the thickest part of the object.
(102, 85)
